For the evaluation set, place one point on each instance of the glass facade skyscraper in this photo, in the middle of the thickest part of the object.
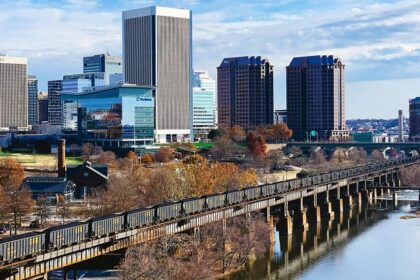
(118, 117)
(32, 100)
(105, 63)
(75, 84)
(204, 104)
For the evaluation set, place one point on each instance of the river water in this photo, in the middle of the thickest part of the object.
(372, 242)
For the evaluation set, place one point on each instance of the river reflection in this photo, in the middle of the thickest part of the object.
(362, 243)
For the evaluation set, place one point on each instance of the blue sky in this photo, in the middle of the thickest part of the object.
(378, 40)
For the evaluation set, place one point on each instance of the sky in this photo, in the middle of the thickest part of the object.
(378, 41)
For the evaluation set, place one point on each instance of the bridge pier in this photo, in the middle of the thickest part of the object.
(347, 201)
(338, 205)
(395, 199)
(314, 214)
(300, 220)
(326, 210)
(366, 196)
(374, 194)
(285, 224)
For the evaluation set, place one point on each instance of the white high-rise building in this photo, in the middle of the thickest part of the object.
(204, 104)
(157, 51)
(13, 93)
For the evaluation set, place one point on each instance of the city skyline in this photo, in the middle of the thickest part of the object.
(377, 40)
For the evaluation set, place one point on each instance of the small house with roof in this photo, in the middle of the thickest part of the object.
(50, 188)
(87, 176)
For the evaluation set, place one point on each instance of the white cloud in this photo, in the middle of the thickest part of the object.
(57, 36)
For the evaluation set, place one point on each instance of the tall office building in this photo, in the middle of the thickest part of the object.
(32, 100)
(245, 92)
(400, 126)
(42, 107)
(315, 98)
(54, 102)
(157, 51)
(414, 108)
(13, 93)
(204, 104)
(106, 63)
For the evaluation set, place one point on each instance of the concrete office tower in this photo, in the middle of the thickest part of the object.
(54, 102)
(157, 51)
(32, 100)
(315, 98)
(415, 119)
(106, 63)
(204, 104)
(400, 126)
(245, 92)
(13, 93)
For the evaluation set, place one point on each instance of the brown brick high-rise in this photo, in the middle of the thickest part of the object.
(245, 92)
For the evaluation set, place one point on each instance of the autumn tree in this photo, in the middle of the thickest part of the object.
(18, 203)
(2, 204)
(262, 146)
(236, 133)
(132, 156)
(256, 146)
(252, 143)
(194, 159)
(164, 154)
(11, 173)
(147, 159)
(107, 157)
(281, 132)
(17, 199)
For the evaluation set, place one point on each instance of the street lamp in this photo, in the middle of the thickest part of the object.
(307, 136)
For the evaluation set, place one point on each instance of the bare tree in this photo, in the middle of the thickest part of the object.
(88, 150)
(377, 155)
(164, 154)
(411, 176)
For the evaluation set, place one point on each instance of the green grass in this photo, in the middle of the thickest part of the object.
(40, 160)
(203, 145)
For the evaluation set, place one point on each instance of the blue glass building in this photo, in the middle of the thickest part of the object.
(116, 117)
(105, 63)
(204, 104)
